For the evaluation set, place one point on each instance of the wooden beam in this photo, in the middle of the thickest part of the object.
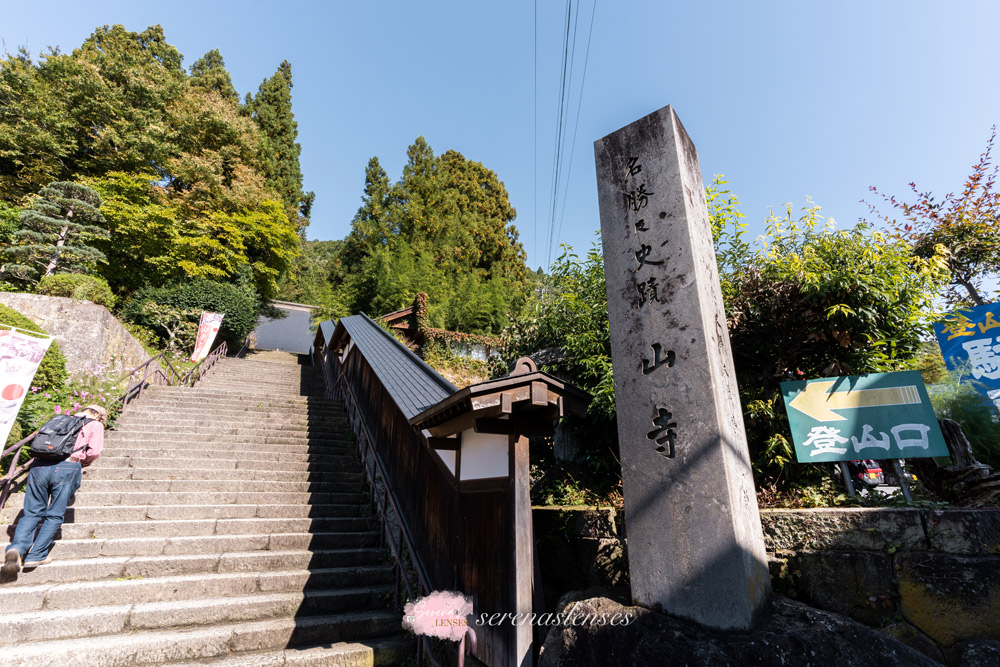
(539, 394)
(506, 403)
(513, 427)
(484, 484)
(452, 444)
(522, 553)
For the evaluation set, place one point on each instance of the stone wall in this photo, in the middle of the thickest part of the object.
(930, 578)
(88, 334)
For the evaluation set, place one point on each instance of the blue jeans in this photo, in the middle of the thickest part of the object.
(49, 488)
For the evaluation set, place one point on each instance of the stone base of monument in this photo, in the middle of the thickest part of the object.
(789, 633)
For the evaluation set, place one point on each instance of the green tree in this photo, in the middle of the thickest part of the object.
(445, 228)
(807, 300)
(118, 85)
(209, 73)
(313, 273)
(37, 136)
(964, 229)
(271, 110)
(142, 225)
(55, 232)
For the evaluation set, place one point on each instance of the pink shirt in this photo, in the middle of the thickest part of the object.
(89, 442)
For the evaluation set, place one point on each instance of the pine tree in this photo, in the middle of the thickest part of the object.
(209, 73)
(55, 230)
(271, 109)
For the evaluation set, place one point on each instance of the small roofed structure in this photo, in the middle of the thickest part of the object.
(411, 323)
(291, 333)
(456, 467)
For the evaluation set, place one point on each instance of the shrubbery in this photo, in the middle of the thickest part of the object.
(52, 373)
(77, 286)
(959, 398)
(239, 304)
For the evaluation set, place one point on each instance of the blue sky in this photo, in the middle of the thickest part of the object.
(787, 99)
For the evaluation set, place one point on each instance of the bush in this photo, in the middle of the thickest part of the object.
(77, 286)
(52, 373)
(240, 305)
(959, 398)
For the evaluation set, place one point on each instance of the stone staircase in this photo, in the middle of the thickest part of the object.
(224, 525)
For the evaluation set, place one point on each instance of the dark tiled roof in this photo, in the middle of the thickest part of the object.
(414, 385)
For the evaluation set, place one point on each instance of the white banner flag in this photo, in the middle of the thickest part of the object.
(208, 327)
(20, 354)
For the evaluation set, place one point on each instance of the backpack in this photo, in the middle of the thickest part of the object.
(56, 439)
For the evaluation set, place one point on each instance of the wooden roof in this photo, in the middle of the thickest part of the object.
(413, 385)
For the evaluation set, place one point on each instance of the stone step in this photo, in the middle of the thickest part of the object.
(121, 454)
(382, 652)
(210, 544)
(188, 409)
(94, 621)
(61, 571)
(113, 459)
(159, 647)
(209, 428)
(345, 456)
(298, 444)
(229, 380)
(221, 486)
(288, 438)
(177, 473)
(86, 498)
(238, 397)
(236, 416)
(196, 527)
(112, 513)
(82, 594)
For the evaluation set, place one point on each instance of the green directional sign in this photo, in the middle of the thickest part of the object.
(875, 416)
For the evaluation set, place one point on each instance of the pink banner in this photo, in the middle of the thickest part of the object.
(208, 327)
(20, 355)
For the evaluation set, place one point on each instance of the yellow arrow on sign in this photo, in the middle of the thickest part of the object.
(818, 404)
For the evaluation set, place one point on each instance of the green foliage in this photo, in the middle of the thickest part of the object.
(310, 279)
(804, 301)
(444, 229)
(8, 224)
(569, 315)
(271, 110)
(56, 231)
(808, 300)
(193, 183)
(51, 373)
(77, 286)
(169, 306)
(959, 397)
(209, 73)
(961, 231)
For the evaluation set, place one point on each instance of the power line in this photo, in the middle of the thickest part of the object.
(535, 179)
(557, 153)
(576, 126)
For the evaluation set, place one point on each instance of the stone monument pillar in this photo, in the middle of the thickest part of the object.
(695, 544)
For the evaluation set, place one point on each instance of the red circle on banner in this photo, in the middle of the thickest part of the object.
(12, 392)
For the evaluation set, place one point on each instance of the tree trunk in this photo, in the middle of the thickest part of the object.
(60, 242)
(967, 482)
(971, 289)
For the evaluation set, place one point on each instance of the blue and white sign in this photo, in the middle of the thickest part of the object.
(971, 338)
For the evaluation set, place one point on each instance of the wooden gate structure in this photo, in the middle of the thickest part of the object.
(449, 473)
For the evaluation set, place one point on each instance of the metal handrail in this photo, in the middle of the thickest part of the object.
(150, 376)
(243, 349)
(205, 365)
(356, 419)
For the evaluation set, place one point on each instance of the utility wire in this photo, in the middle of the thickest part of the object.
(535, 152)
(558, 144)
(576, 126)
